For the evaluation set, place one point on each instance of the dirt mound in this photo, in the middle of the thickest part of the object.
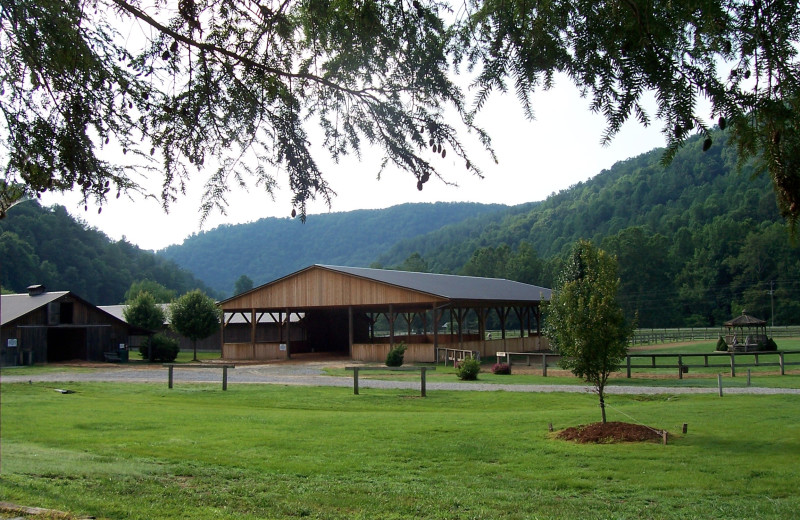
(610, 432)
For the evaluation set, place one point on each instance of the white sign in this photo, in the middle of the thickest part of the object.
(283, 347)
(12, 342)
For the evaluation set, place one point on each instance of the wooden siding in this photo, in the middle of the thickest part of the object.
(249, 351)
(317, 287)
(376, 352)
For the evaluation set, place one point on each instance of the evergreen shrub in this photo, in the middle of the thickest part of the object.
(162, 348)
(395, 356)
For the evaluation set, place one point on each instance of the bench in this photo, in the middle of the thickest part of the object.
(112, 357)
(224, 368)
(422, 371)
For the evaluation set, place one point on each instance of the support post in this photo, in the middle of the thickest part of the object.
(170, 376)
(422, 381)
(733, 364)
(628, 362)
(680, 367)
(780, 360)
(224, 377)
(719, 383)
(355, 381)
(544, 365)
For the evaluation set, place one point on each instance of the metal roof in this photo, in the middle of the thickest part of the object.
(13, 306)
(452, 287)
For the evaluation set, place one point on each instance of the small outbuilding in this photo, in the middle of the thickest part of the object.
(45, 327)
(338, 310)
(746, 334)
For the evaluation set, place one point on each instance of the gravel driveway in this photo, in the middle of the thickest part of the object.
(312, 374)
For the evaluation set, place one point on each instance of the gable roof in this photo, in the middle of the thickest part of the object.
(13, 306)
(334, 286)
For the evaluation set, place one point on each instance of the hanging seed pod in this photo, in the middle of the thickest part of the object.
(174, 47)
(294, 213)
(747, 74)
(165, 55)
(99, 210)
(722, 123)
(776, 138)
(430, 142)
(118, 194)
(707, 144)
(419, 185)
(468, 165)
(444, 152)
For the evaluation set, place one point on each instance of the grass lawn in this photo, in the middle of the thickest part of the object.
(264, 451)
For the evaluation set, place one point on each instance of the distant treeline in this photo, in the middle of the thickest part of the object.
(47, 246)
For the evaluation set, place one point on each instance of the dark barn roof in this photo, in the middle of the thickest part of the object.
(451, 287)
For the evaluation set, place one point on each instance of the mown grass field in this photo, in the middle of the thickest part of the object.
(141, 451)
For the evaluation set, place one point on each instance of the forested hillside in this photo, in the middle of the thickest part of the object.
(697, 241)
(47, 246)
(273, 247)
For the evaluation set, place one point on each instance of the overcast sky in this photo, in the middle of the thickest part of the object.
(536, 158)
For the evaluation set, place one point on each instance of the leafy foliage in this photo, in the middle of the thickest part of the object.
(395, 356)
(585, 323)
(468, 369)
(143, 311)
(195, 316)
(501, 369)
(221, 89)
(227, 89)
(161, 349)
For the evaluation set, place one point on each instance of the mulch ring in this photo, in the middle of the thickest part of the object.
(610, 432)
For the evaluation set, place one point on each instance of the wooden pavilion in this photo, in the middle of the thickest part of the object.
(330, 309)
(746, 333)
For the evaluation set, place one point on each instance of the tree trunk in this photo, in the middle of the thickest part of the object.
(603, 408)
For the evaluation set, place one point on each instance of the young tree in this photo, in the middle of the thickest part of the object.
(195, 316)
(585, 323)
(239, 81)
(143, 311)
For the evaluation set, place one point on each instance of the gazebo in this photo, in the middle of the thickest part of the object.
(746, 333)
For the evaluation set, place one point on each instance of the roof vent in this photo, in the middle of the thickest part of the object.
(36, 290)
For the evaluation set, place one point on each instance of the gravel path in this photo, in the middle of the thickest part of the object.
(312, 374)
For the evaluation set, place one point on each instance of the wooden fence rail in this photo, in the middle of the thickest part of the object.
(731, 361)
(542, 356)
(653, 336)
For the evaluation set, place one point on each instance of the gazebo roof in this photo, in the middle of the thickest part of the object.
(745, 321)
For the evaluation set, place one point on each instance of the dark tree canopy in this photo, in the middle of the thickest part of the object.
(96, 91)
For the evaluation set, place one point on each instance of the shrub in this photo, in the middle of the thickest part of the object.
(501, 369)
(468, 369)
(721, 345)
(770, 345)
(162, 348)
(395, 356)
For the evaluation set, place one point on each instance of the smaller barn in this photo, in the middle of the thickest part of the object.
(46, 327)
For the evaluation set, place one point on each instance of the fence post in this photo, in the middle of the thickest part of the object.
(733, 364)
(680, 367)
(719, 383)
(544, 365)
(355, 380)
(629, 365)
(780, 354)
